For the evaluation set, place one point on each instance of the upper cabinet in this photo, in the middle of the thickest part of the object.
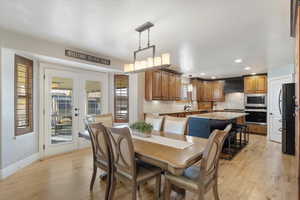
(165, 77)
(208, 91)
(255, 84)
(162, 85)
(218, 91)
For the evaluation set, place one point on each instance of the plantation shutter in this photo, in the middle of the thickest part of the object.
(23, 95)
(121, 98)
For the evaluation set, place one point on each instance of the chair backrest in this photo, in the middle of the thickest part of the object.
(123, 150)
(156, 121)
(210, 159)
(105, 119)
(176, 125)
(102, 150)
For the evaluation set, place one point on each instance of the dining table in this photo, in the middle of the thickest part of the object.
(171, 152)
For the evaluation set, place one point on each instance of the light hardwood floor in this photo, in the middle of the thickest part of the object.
(259, 172)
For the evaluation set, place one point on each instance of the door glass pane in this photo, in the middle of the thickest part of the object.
(61, 110)
(93, 95)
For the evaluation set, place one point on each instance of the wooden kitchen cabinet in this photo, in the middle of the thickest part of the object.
(172, 87)
(153, 85)
(207, 91)
(257, 129)
(261, 84)
(162, 85)
(218, 91)
(165, 85)
(178, 87)
(255, 84)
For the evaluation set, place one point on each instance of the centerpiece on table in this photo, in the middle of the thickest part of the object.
(142, 129)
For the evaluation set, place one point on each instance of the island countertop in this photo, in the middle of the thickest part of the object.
(219, 115)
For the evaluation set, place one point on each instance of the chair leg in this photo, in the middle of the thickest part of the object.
(93, 177)
(157, 186)
(134, 191)
(201, 195)
(215, 191)
(167, 190)
(113, 183)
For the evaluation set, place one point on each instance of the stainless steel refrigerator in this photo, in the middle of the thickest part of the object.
(288, 118)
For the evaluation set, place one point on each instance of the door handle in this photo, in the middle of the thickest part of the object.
(279, 100)
(280, 129)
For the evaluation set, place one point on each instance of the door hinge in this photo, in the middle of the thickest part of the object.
(44, 146)
(44, 112)
(44, 76)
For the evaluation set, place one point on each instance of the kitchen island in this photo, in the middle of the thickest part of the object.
(201, 125)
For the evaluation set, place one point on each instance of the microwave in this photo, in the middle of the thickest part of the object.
(256, 100)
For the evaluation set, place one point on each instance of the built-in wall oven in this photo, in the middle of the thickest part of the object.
(256, 115)
(256, 100)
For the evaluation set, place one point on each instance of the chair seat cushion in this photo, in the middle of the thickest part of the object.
(192, 172)
(183, 182)
(145, 172)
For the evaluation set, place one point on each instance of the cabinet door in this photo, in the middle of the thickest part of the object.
(156, 85)
(199, 91)
(207, 91)
(178, 87)
(165, 85)
(172, 86)
(218, 91)
(250, 84)
(261, 84)
(195, 91)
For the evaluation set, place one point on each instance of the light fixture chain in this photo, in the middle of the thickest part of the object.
(140, 40)
(148, 37)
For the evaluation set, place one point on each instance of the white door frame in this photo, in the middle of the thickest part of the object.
(53, 149)
(85, 73)
(291, 77)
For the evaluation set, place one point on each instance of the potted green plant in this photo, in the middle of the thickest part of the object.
(141, 128)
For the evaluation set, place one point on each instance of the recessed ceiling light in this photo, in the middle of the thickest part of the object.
(247, 68)
(239, 60)
(213, 77)
(202, 74)
(253, 73)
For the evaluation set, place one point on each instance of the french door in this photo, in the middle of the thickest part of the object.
(70, 98)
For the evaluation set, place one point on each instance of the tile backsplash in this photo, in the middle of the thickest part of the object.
(232, 101)
(165, 106)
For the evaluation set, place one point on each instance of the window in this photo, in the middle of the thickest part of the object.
(23, 95)
(121, 99)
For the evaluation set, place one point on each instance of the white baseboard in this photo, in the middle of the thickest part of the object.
(13, 168)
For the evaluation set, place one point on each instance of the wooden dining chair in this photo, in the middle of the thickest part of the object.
(126, 165)
(176, 125)
(155, 121)
(105, 119)
(201, 179)
(102, 154)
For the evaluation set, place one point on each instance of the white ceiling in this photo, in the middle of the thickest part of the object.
(202, 36)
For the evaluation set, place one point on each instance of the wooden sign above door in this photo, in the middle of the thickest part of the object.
(86, 57)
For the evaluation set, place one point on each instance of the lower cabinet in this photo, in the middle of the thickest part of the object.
(257, 129)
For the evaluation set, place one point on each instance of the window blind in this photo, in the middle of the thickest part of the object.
(121, 98)
(23, 95)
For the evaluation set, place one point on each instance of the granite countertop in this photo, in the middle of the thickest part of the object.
(219, 115)
(175, 112)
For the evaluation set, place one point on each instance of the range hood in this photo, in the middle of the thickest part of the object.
(234, 85)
